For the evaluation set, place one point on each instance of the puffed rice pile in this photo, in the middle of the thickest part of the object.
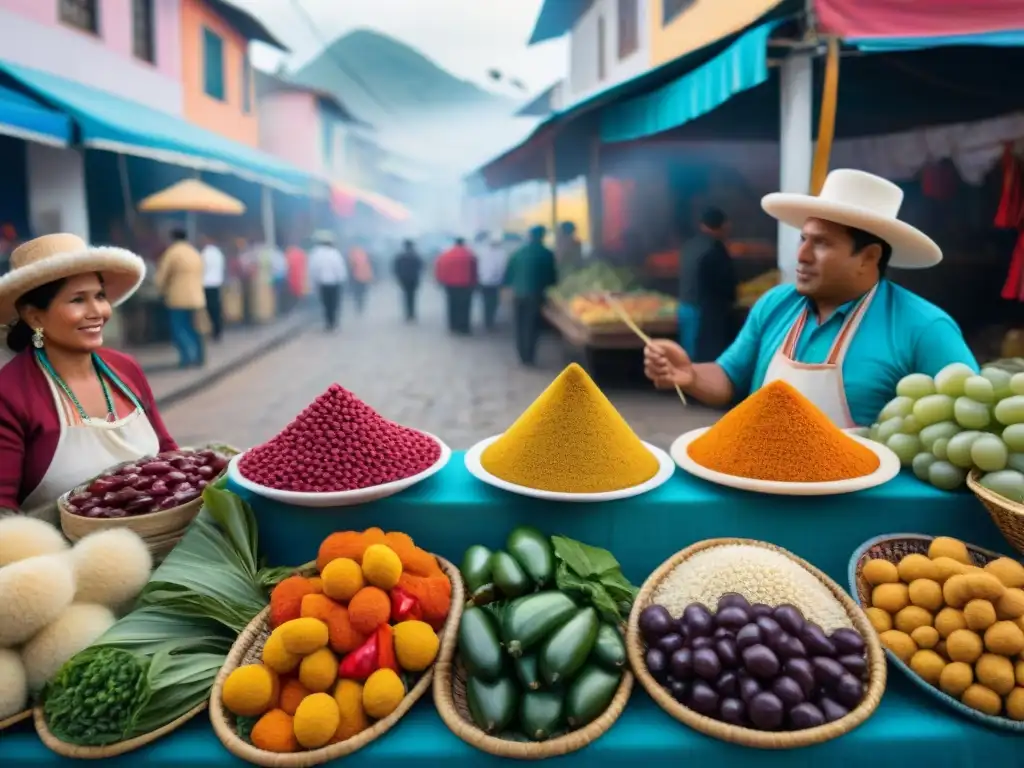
(760, 575)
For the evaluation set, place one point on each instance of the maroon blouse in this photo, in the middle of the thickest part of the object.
(30, 423)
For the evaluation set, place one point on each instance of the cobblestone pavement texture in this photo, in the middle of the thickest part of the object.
(462, 389)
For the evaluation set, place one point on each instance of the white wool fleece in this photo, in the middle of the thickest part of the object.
(33, 593)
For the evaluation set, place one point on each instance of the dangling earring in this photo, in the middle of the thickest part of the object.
(37, 338)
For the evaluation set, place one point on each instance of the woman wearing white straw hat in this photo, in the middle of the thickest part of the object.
(69, 409)
(843, 335)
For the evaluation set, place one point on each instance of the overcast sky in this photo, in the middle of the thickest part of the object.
(467, 37)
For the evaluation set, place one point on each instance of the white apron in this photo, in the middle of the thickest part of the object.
(85, 449)
(821, 383)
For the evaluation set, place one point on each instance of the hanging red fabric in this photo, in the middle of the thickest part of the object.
(938, 181)
(1010, 215)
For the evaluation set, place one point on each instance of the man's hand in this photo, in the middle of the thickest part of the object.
(667, 364)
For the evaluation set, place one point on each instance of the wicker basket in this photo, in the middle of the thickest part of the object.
(450, 700)
(160, 530)
(1006, 514)
(7, 722)
(894, 547)
(247, 649)
(749, 737)
(75, 752)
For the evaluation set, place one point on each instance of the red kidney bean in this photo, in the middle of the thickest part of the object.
(140, 505)
(168, 502)
(156, 468)
(159, 488)
(175, 477)
(129, 469)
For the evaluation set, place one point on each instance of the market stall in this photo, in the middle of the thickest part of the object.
(358, 567)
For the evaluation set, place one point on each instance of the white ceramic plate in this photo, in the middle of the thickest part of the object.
(338, 498)
(666, 468)
(888, 468)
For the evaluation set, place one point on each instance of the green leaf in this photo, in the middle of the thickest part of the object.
(236, 519)
(584, 559)
(592, 591)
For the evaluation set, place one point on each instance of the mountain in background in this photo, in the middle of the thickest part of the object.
(381, 80)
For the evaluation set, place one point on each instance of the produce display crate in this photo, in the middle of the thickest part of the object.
(613, 335)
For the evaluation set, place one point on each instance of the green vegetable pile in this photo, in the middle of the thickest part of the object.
(540, 640)
(596, 277)
(159, 661)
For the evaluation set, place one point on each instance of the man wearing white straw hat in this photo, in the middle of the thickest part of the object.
(843, 335)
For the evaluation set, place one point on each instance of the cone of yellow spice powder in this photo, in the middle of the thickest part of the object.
(570, 440)
(778, 434)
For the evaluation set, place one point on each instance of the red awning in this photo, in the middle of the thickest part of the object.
(918, 18)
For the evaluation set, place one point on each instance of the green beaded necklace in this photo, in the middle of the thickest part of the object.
(101, 370)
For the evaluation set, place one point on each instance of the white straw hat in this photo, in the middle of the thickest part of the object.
(863, 201)
(54, 257)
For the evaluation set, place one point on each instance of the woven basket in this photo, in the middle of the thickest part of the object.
(7, 722)
(894, 547)
(75, 752)
(160, 530)
(451, 703)
(1006, 514)
(247, 649)
(749, 737)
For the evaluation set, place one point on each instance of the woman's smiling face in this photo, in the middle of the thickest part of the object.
(75, 318)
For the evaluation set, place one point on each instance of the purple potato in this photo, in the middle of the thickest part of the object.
(827, 671)
(698, 619)
(728, 684)
(733, 599)
(749, 688)
(802, 671)
(816, 642)
(761, 662)
(703, 698)
(789, 691)
(855, 664)
(790, 618)
(733, 711)
(681, 664)
(706, 664)
(722, 632)
(657, 664)
(806, 715)
(766, 711)
(679, 690)
(732, 617)
(769, 626)
(655, 622)
(670, 643)
(849, 690)
(701, 642)
(727, 653)
(748, 636)
(788, 647)
(760, 609)
(847, 641)
(831, 709)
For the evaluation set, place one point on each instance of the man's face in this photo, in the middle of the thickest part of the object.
(826, 263)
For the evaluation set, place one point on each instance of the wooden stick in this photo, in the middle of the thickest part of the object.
(619, 310)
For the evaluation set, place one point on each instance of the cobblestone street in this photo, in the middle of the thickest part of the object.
(462, 389)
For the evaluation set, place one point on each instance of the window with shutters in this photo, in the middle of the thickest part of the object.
(213, 64)
(601, 48)
(670, 9)
(629, 27)
(143, 38)
(81, 14)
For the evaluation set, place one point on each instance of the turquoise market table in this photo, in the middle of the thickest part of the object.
(452, 511)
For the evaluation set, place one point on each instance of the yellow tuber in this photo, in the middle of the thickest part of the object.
(996, 673)
(956, 678)
(382, 693)
(316, 720)
(914, 567)
(319, 670)
(982, 699)
(880, 571)
(303, 636)
(928, 665)
(381, 566)
(1009, 572)
(945, 546)
(349, 697)
(900, 643)
(925, 593)
(964, 645)
(880, 620)
(1015, 704)
(250, 690)
(342, 578)
(416, 645)
(979, 615)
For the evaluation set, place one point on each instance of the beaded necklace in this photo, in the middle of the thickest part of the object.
(101, 370)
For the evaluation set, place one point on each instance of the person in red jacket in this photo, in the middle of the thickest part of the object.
(456, 270)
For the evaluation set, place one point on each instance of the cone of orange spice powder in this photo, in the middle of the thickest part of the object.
(778, 434)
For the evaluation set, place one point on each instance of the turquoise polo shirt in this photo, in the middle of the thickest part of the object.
(900, 333)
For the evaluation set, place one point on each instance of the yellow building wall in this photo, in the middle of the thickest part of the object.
(702, 23)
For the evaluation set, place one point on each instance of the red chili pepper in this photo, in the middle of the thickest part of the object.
(362, 662)
(386, 649)
(404, 606)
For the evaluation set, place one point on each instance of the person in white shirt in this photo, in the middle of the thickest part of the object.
(492, 258)
(213, 285)
(329, 273)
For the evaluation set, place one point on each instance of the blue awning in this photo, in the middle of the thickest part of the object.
(109, 122)
(557, 17)
(1005, 39)
(24, 118)
(741, 66)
